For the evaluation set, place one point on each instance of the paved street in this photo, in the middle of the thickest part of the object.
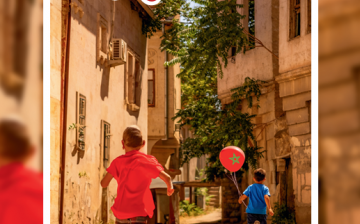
(213, 217)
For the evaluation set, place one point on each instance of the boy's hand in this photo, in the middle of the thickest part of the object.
(170, 192)
(242, 198)
(271, 212)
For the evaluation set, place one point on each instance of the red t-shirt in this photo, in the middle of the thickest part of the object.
(133, 173)
(21, 195)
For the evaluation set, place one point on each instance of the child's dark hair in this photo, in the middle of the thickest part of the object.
(14, 139)
(132, 137)
(259, 174)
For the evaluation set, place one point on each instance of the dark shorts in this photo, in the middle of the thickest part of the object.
(251, 218)
(139, 219)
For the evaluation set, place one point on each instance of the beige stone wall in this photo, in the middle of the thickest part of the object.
(157, 146)
(339, 109)
(295, 90)
(104, 89)
(156, 121)
(255, 63)
(55, 107)
(283, 121)
(294, 53)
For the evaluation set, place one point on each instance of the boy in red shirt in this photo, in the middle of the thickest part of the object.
(21, 189)
(133, 173)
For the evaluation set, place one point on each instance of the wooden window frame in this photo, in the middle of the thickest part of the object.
(105, 138)
(80, 127)
(130, 92)
(137, 81)
(101, 38)
(152, 105)
(294, 10)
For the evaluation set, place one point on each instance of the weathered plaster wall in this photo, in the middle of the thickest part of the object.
(295, 90)
(283, 120)
(255, 63)
(156, 121)
(166, 151)
(294, 53)
(55, 97)
(104, 91)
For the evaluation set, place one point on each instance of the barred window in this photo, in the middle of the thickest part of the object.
(106, 142)
(251, 22)
(81, 121)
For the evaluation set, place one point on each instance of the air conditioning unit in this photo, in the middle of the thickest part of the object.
(118, 52)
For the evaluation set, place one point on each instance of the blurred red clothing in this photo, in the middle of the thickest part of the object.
(133, 173)
(21, 195)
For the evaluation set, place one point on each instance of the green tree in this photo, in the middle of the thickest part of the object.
(201, 44)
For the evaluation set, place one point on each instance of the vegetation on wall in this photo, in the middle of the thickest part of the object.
(201, 42)
(283, 215)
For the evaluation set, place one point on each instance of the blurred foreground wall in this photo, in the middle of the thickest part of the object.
(21, 75)
(339, 111)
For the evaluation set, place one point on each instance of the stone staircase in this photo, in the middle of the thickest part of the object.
(215, 200)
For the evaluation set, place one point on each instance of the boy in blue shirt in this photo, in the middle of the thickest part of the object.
(259, 199)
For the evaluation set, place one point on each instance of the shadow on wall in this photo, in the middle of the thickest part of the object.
(105, 80)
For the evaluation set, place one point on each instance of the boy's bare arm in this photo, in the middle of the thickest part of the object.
(242, 198)
(267, 201)
(167, 179)
(106, 180)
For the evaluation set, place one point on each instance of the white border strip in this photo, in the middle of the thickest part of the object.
(46, 110)
(314, 112)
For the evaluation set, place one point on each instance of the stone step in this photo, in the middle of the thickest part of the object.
(214, 200)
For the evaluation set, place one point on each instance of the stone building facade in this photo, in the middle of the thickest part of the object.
(164, 99)
(93, 99)
(164, 102)
(282, 122)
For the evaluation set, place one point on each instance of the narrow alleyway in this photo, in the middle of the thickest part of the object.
(213, 217)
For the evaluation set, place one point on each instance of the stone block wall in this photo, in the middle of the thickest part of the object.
(295, 90)
(232, 211)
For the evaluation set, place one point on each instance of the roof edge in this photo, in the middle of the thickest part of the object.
(147, 9)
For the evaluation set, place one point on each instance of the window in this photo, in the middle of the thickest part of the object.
(105, 129)
(130, 66)
(81, 120)
(294, 18)
(137, 77)
(133, 81)
(251, 23)
(101, 42)
(151, 87)
(309, 16)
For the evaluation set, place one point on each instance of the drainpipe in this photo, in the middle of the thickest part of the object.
(166, 91)
(63, 115)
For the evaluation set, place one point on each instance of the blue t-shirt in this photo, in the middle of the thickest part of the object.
(256, 193)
